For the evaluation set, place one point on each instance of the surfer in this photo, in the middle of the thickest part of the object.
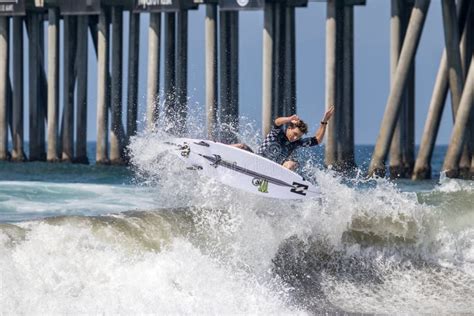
(285, 136)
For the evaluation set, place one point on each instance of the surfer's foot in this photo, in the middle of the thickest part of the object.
(290, 164)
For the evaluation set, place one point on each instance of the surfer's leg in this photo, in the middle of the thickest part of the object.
(290, 164)
(242, 146)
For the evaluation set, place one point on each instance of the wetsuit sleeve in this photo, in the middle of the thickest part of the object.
(307, 142)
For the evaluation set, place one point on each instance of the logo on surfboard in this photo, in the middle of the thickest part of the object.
(262, 185)
(299, 188)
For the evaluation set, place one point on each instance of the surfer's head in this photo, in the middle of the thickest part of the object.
(296, 130)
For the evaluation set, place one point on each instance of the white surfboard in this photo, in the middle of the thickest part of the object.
(243, 170)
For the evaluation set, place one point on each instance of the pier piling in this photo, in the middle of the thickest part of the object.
(67, 129)
(35, 95)
(153, 88)
(211, 70)
(268, 79)
(455, 74)
(81, 117)
(53, 86)
(170, 72)
(458, 137)
(116, 132)
(422, 169)
(132, 92)
(290, 61)
(102, 91)
(4, 49)
(410, 45)
(228, 50)
(333, 56)
(181, 72)
(402, 144)
(345, 140)
(18, 153)
(279, 75)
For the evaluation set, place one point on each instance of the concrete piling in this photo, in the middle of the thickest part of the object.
(232, 113)
(229, 77)
(181, 72)
(170, 71)
(402, 144)
(18, 153)
(409, 145)
(279, 75)
(9, 105)
(469, 56)
(332, 23)
(211, 70)
(102, 91)
(132, 92)
(410, 45)
(35, 117)
(422, 169)
(81, 117)
(398, 24)
(458, 137)
(153, 85)
(455, 71)
(228, 50)
(268, 52)
(53, 86)
(116, 132)
(345, 132)
(290, 61)
(4, 78)
(67, 129)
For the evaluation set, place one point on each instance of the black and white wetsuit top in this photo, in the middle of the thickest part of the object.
(278, 148)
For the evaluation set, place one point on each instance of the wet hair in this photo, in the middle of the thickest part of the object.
(301, 125)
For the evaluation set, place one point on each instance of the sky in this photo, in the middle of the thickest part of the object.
(371, 67)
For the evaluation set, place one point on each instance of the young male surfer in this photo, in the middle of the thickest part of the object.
(286, 136)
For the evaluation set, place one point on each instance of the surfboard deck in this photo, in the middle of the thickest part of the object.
(243, 170)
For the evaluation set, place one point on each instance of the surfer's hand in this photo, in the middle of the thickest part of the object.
(293, 119)
(328, 114)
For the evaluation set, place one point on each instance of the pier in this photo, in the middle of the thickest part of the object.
(57, 129)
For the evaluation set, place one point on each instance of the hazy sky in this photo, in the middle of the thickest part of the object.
(372, 66)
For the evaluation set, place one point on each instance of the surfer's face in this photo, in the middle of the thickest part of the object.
(293, 134)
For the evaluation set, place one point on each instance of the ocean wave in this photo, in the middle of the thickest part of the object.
(69, 265)
(177, 242)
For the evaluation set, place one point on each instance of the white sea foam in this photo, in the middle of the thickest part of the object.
(454, 185)
(70, 269)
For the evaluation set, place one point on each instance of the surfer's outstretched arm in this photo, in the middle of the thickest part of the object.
(324, 123)
(279, 121)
